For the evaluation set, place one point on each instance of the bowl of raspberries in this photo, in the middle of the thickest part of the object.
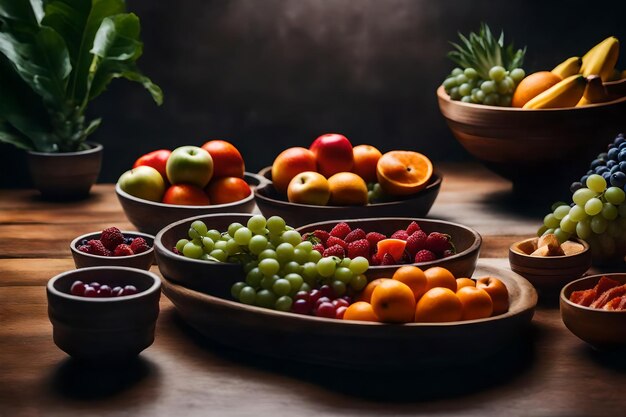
(113, 247)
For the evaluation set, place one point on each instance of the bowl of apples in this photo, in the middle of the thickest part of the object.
(334, 180)
(165, 186)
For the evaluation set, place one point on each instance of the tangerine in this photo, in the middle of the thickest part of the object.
(347, 189)
(360, 311)
(393, 302)
(439, 305)
(438, 276)
(366, 294)
(413, 277)
(365, 160)
(403, 172)
(533, 85)
(464, 282)
(476, 302)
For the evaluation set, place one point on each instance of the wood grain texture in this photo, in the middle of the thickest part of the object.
(550, 372)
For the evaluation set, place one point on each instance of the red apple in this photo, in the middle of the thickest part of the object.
(309, 188)
(227, 190)
(155, 159)
(290, 163)
(227, 161)
(333, 153)
(186, 195)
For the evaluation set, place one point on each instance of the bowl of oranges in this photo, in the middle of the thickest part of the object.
(334, 180)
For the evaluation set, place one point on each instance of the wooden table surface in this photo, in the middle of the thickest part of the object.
(550, 373)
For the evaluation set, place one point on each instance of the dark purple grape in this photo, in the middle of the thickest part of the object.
(583, 179)
(77, 288)
(104, 291)
(622, 146)
(321, 301)
(130, 290)
(596, 163)
(603, 156)
(327, 291)
(612, 154)
(619, 139)
(611, 163)
(618, 179)
(117, 291)
(314, 295)
(90, 292)
(606, 176)
(301, 306)
(95, 285)
(615, 169)
(622, 155)
(622, 167)
(601, 170)
(301, 295)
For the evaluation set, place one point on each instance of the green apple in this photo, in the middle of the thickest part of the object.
(143, 182)
(189, 165)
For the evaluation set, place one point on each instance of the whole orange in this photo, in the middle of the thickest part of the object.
(464, 282)
(439, 277)
(403, 172)
(532, 86)
(347, 189)
(365, 159)
(186, 195)
(477, 303)
(393, 302)
(413, 277)
(360, 311)
(366, 294)
(227, 190)
(227, 161)
(438, 305)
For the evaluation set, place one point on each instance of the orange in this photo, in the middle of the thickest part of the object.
(403, 172)
(393, 302)
(464, 282)
(366, 294)
(227, 161)
(347, 189)
(533, 85)
(497, 291)
(439, 277)
(477, 303)
(227, 190)
(360, 311)
(394, 247)
(365, 159)
(438, 305)
(413, 277)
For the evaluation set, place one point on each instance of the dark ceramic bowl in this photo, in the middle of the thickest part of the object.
(104, 329)
(271, 203)
(142, 260)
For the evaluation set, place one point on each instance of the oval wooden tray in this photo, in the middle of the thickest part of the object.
(351, 344)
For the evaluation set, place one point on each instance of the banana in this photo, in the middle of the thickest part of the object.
(594, 92)
(615, 75)
(601, 59)
(568, 67)
(566, 93)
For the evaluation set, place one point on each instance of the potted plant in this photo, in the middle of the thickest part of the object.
(56, 56)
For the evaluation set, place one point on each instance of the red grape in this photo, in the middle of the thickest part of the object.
(301, 306)
(78, 288)
(340, 312)
(327, 310)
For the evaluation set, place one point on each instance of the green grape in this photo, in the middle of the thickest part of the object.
(593, 206)
(219, 254)
(596, 183)
(461, 79)
(242, 236)
(454, 93)
(257, 224)
(269, 266)
(581, 196)
(561, 235)
(309, 270)
(577, 213)
(265, 298)
(550, 221)
(457, 71)
(207, 244)
(449, 83)
(488, 87)
(517, 75)
(598, 224)
(492, 99)
(549, 231)
(283, 303)
(181, 244)
(215, 235)
(193, 234)
(609, 211)
(339, 287)
(359, 265)
(343, 274)
(305, 245)
(557, 204)
(257, 244)
(470, 73)
(247, 295)
(497, 73)
(614, 195)
(358, 282)
(479, 96)
(561, 211)
(232, 247)
(301, 256)
(505, 100)
(465, 89)
(567, 225)
(236, 289)
(326, 267)
(254, 277)
(233, 227)
(583, 229)
(268, 282)
(292, 267)
(314, 256)
(199, 227)
(296, 281)
(504, 86)
(292, 236)
(191, 250)
(284, 252)
(345, 262)
(542, 230)
(249, 266)
(268, 254)
(276, 225)
(281, 287)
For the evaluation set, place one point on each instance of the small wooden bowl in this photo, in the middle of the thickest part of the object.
(150, 217)
(104, 329)
(519, 143)
(214, 278)
(271, 203)
(600, 328)
(466, 240)
(550, 273)
(142, 260)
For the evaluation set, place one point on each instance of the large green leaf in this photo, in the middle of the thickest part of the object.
(9, 135)
(20, 10)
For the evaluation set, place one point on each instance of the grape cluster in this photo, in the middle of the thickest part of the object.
(466, 85)
(374, 193)
(277, 262)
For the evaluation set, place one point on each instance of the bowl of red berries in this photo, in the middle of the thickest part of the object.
(113, 247)
(103, 314)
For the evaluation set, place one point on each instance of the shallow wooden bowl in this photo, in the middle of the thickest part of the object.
(271, 203)
(142, 260)
(353, 344)
(602, 329)
(104, 329)
(214, 278)
(150, 217)
(550, 273)
(466, 240)
(521, 144)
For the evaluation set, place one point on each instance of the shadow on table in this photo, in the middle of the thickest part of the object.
(614, 360)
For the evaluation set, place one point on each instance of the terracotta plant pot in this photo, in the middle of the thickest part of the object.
(66, 175)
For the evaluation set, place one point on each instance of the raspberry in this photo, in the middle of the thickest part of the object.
(373, 238)
(424, 256)
(400, 234)
(322, 235)
(374, 260)
(413, 227)
(356, 234)
(388, 260)
(139, 245)
(97, 248)
(340, 230)
(332, 241)
(359, 247)
(416, 242)
(111, 237)
(176, 251)
(123, 250)
(438, 243)
(334, 250)
(319, 247)
(84, 248)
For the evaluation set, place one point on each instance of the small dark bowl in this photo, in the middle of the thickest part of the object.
(215, 278)
(150, 217)
(271, 203)
(467, 242)
(604, 330)
(142, 260)
(104, 329)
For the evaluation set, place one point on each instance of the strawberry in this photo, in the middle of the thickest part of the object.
(356, 234)
(416, 242)
(139, 245)
(319, 247)
(334, 250)
(400, 234)
(97, 248)
(359, 247)
(373, 238)
(322, 235)
(438, 243)
(332, 241)
(84, 248)
(123, 250)
(388, 260)
(424, 256)
(112, 237)
(340, 230)
(413, 227)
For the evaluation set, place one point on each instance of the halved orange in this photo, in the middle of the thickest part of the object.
(403, 172)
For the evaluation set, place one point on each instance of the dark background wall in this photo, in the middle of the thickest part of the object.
(269, 74)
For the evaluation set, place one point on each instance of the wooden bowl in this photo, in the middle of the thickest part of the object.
(354, 344)
(520, 144)
(104, 329)
(467, 242)
(214, 278)
(550, 273)
(271, 203)
(150, 217)
(142, 260)
(601, 329)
